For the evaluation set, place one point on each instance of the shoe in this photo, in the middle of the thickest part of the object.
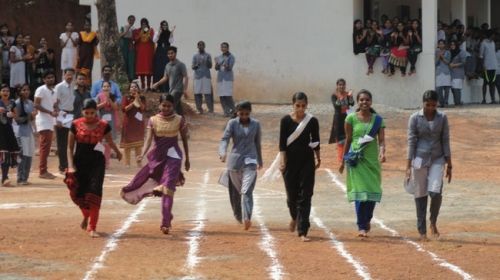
(292, 226)
(248, 224)
(47, 175)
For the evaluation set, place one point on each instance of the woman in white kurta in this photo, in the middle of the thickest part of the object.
(69, 43)
(17, 64)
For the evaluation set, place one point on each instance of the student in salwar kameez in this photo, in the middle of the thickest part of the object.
(164, 161)
(133, 123)
(86, 50)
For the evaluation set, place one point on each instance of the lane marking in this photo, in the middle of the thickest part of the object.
(361, 270)
(113, 240)
(442, 262)
(30, 205)
(195, 234)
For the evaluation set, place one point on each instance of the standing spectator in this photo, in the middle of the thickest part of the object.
(69, 44)
(6, 42)
(44, 62)
(373, 40)
(457, 69)
(107, 107)
(87, 48)
(133, 108)
(80, 94)
(30, 62)
(358, 37)
(163, 38)
(65, 99)
(202, 63)
(8, 145)
(45, 103)
(386, 44)
(497, 81)
(17, 63)
(107, 71)
(415, 40)
(441, 33)
(364, 177)
(443, 74)
(224, 64)
(428, 152)
(144, 51)
(127, 47)
(399, 50)
(299, 146)
(342, 101)
(25, 114)
(488, 55)
(176, 75)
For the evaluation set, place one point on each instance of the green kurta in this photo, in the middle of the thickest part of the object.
(364, 180)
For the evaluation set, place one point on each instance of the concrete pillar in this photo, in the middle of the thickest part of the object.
(429, 35)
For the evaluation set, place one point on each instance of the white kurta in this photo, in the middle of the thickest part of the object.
(69, 53)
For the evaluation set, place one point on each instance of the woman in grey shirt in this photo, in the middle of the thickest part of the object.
(428, 153)
(243, 160)
(443, 75)
(457, 71)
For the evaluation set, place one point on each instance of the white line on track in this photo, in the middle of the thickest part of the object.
(361, 270)
(112, 242)
(267, 244)
(195, 234)
(6, 206)
(442, 262)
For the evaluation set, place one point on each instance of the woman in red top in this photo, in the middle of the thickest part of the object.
(144, 52)
(85, 174)
(133, 123)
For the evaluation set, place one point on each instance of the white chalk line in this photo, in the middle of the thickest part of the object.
(113, 240)
(361, 270)
(442, 262)
(31, 205)
(195, 234)
(267, 244)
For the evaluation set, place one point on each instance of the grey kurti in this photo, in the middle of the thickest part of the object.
(246, 145)
(225, 77)
(201, 65)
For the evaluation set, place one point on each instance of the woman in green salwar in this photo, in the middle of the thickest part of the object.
(364, 131)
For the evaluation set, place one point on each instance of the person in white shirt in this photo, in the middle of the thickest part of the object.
(69, 44)
(45, 103)
(65, 100)
(487, 54)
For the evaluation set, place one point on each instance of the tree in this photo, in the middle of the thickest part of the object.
(109, 39)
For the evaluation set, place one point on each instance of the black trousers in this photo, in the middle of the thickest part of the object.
(62, 147)
(299, 184)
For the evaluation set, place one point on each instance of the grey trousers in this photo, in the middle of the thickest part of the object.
(243, 182)
(177, 102)
(228, 107)
(198, 98)
(444, 93)
(421, 205)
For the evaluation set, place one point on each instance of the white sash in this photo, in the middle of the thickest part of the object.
(273, 172)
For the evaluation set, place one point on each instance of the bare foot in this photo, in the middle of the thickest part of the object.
(165, 230)
(93, 234)
(292, 226)
(368, 227)
(434, 231)
(84, 223)
(304, 238)
(423, 238)
(248, 224)
(362, 233)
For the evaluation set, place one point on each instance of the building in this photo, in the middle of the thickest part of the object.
(283, 46)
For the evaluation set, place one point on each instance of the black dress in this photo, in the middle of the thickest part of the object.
(341, 106)
(300, 170)
(9, 147)
(161, 59)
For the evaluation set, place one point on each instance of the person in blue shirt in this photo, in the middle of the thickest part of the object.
(107, 71)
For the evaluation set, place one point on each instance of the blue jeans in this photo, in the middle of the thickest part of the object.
(364, 213)
(23, 169)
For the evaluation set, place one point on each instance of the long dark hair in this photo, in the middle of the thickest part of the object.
(365, 92)
(164, 35)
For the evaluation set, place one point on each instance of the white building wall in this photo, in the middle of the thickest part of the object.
(284, 46)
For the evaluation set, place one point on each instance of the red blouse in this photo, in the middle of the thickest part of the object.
(89, 136)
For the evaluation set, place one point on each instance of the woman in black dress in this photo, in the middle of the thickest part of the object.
(9, 148)
(86, 167)
(342, 101)
(163, 40)
(299, 142)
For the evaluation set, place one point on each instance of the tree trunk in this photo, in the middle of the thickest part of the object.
(109, 39)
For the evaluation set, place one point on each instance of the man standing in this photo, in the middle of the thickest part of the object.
(45, 103)
(176, 75)
(107, 71)
(81, 93)
(487, 54)
(65, 99)
(202, 63)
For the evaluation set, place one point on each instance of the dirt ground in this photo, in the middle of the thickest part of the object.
(40, 236)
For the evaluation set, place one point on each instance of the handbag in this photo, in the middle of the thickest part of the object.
(353, 157)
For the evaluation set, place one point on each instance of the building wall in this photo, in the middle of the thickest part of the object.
(284, 46)
(495, 10)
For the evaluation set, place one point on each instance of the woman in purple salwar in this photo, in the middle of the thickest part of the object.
(164, 161)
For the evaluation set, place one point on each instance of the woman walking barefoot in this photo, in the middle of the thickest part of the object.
(164, 160)
(428, 152)
(86, 163)
(342, 101)
(243, 160)
(299, 143)
(365, 131)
